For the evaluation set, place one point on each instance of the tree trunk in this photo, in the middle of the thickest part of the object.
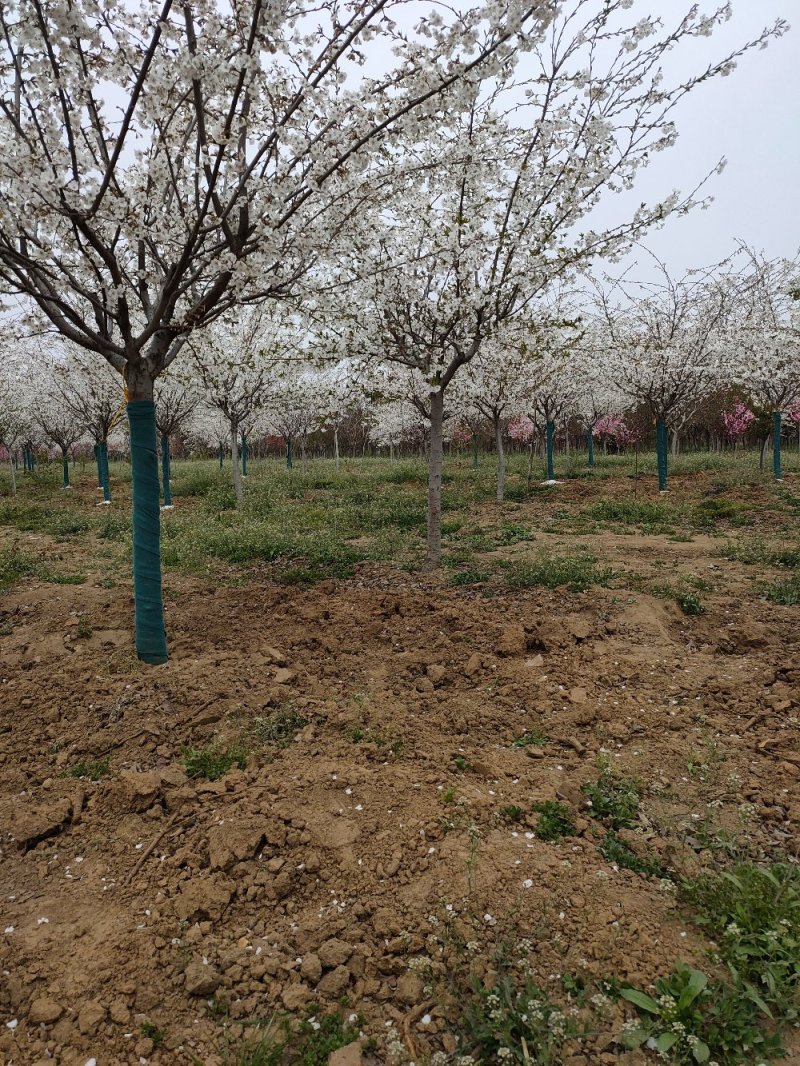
(13, 474)
(763, 452)
(99, 466)
(336, 446)
(391, 452)
(435, 462)
(661, 453)
(590, 445)
(550, 432)
(244, 455)
(289, 460)
(165, 470)
(501, 460)
(221, 454)
(65, 468)
(104, 476)
(474, 451)
(675, 437)
(776, 446)
(237, 471)
(151, 636)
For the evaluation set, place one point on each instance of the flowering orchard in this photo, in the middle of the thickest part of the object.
(385, 214)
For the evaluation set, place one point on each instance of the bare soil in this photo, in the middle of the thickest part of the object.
(322, 867)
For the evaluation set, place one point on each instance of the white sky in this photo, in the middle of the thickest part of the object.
(752, 118)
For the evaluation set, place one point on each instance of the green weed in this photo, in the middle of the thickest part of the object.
(555, 820)
(532, 736)
(612, 799)
(693, 1020)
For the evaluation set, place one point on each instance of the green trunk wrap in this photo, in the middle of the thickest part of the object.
(661, 453)
(151, 637)
(776, 446)
(550, 432)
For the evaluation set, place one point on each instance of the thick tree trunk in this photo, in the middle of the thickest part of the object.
(165, 470)
(501, 460)
(99, 466)
(237, 471)
(151, 636)
(221, 454)
(435, 462)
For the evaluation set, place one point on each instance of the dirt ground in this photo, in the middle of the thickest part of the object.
(375, 835)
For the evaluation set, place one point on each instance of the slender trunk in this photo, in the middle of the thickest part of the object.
(566, 443)
(105, 480)
(151, 636)
(675, 437)
(435, 462)
(391, 452)
(590, 444)
(99, 466)
(13, 474)
(65, 467)
(165, 470)
(763, 452)
(244, 455)
(474, 451)
(303, 451)
(550, 432)
(336, 446)
(289, 459)
(237, 472)
(221, 454)
(530, 462)
(661, 453)
(776, 446)
(501, 460)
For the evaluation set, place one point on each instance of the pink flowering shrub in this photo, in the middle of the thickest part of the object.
(521, 429)
(614, 428)
(461, 433)
(737, 421)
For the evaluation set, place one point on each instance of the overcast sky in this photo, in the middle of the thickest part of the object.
(752, 118)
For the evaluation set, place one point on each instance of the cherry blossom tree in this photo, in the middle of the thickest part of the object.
(767, 333)
(489, 213)
(162, 165)
(176, 401)
(665, 341)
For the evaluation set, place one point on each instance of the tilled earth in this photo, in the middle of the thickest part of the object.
(376, 719)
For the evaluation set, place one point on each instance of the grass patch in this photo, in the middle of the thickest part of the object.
(620, 854)
(213, 762)
(577, 572)
(16, 564)
(93, 770)
(786, 593)
(533, 736)
(279, 727)
(310, 1044)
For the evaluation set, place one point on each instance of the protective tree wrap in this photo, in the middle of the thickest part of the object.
(151, 636)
